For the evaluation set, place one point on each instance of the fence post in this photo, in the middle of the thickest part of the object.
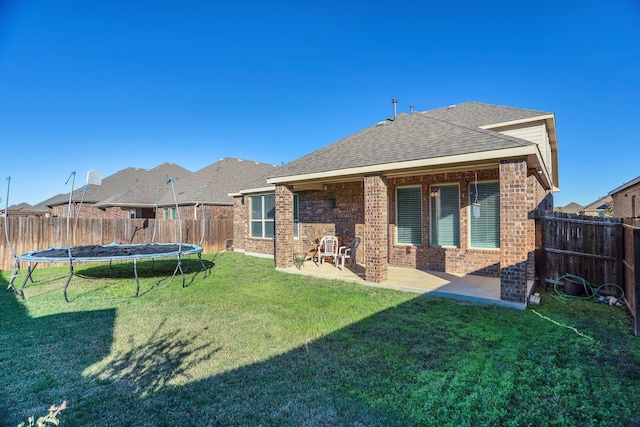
(636, 281)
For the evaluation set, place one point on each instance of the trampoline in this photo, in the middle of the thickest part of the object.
(105, 253)
(100, 253)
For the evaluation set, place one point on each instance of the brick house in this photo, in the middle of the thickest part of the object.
(452, 189)
(137, 193)
(626, 199)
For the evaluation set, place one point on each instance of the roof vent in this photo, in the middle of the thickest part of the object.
(395, 103)
(411, 108)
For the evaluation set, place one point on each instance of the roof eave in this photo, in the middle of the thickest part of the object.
(483, 156)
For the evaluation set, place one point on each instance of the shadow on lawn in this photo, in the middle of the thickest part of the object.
(39, 355)
(397, 367)
(400, 366)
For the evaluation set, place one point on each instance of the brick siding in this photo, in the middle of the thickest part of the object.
(626, 203)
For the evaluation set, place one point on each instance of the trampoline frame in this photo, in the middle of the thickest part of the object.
(62, 256)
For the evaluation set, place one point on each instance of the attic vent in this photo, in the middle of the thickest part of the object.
(451, 106)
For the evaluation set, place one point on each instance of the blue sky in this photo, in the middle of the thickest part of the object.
(106, 85)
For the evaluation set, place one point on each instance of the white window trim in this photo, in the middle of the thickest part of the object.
(421, 217)
(263, 220)
(431, 227)
(470, 213)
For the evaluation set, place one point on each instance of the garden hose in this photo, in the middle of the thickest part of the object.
(591, 291)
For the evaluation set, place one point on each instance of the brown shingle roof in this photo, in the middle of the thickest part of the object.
(477, 114)
(228, 175)
(409, 137)
(144, 180)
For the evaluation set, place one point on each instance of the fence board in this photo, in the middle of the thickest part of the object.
(28, 234)
(589, 247)
(632, 270)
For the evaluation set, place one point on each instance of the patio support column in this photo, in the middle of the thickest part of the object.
(517, 230)
(376, 219)
(283, 250)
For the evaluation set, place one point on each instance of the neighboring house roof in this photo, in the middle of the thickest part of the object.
(146, 181)
(600, 205)
(218, 180)
(20, 207)
(572, 207)
(625, 186)
(420, 139)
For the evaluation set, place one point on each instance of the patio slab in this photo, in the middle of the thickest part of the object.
(467, 287)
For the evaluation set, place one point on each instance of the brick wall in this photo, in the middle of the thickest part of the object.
(284, 226)
(242, 239)
(517, 229)
(626, 203)
(376, 239)
(240, 222)
(454, 260)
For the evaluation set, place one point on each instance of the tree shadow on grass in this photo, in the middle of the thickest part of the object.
(40, 355)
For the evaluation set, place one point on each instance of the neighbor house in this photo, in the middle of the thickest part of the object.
(193, 195)
(601, 207)
(87, 201)
(168, 188)
(626, 199)
(453, 189)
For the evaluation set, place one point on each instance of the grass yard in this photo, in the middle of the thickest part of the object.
(248, 345)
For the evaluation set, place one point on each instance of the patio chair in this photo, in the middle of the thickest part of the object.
(348, 252)
(327, 248)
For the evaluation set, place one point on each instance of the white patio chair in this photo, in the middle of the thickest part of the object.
(327, 248)
(348, 252)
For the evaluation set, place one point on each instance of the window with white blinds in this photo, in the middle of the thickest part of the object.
(445, 215)
(409, 215)
(484, 200)
(263, 209)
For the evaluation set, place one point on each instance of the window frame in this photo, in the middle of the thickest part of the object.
(495, 216)
(296, 216)
(411, 241)
(264, 219)
(435, 222)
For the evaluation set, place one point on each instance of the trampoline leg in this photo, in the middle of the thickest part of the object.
(14, 273)
(204, 267)
(179, 267)
(26, 279)
(135, 273)
(66, 285)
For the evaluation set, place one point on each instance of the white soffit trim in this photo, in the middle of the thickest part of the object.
(525, 150)
(517, 122)
(269, 189)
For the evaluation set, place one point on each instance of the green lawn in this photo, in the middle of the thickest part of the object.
(248, 345)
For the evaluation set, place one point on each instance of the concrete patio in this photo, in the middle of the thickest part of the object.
(466, 287)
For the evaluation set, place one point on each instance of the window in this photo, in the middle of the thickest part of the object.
(296, 217)
(409, 215)
(169, 213)
(445, 215)
(263, 209)
(484, 199)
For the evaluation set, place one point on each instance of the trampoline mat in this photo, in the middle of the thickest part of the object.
(111, 252)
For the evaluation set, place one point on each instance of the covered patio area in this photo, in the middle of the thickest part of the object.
(466, 287)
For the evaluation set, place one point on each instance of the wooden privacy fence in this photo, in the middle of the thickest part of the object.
(28, 234)
(600, 250)
(631, 262)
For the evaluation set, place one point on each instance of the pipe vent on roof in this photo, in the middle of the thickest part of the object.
(395, 112)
